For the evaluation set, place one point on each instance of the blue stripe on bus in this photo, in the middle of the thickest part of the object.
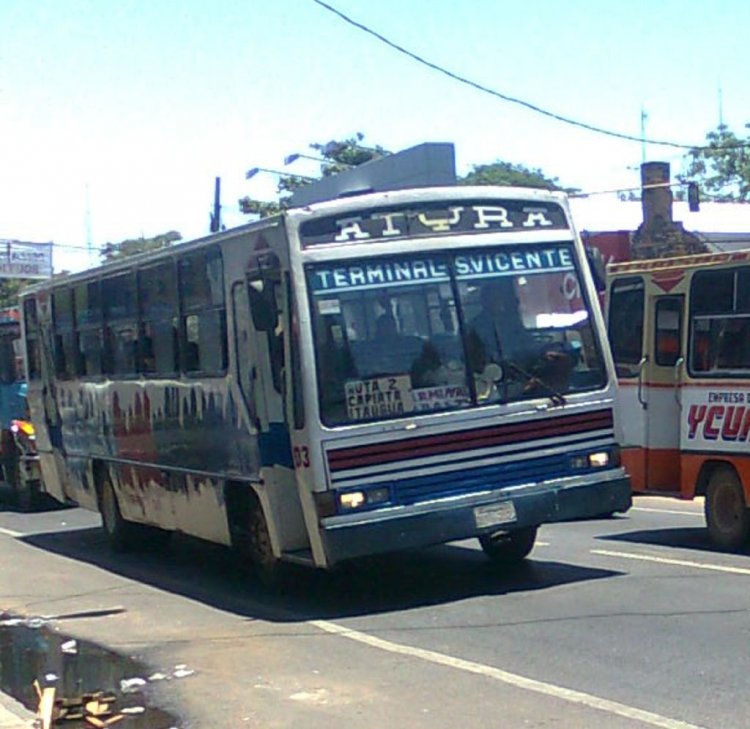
(496, 476)
(275, 446)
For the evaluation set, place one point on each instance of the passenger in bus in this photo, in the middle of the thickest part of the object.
(733, 345)
(389, 351)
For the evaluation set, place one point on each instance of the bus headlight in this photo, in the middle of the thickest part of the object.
(596, 459)
(350, 500)
(600, 459)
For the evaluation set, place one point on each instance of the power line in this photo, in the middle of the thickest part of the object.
(513, 100)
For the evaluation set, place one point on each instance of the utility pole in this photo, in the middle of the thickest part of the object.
(644, 116)
(216, 214)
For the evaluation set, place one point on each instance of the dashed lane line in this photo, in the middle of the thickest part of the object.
(675, 562)
(512, 679)
(683, 512)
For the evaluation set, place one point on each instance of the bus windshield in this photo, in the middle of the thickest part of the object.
(412, 334)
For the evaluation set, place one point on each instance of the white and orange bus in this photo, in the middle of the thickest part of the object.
(680, 335)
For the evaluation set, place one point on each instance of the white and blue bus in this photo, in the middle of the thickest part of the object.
(358, 376)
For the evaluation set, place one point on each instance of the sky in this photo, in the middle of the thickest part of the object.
(116, 116)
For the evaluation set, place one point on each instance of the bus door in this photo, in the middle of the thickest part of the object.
(661, 384)
(627, 331)
(260, 313)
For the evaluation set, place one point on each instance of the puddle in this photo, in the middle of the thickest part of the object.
(30, 650)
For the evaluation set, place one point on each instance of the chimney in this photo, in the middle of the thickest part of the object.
(656, 201)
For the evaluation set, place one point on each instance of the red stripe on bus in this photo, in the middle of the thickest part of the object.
(359, 456)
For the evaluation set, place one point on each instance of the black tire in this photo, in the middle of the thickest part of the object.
(727, 515)
(509, 547)
(267, 567)
(27, 493)
(122, 535)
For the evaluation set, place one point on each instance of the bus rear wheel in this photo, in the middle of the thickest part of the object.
(727, 515)
(509, 547)
(121, 534)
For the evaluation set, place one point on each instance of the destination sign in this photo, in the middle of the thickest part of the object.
(433, 219)
(432, 269)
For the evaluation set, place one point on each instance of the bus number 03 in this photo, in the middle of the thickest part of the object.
(301, 457)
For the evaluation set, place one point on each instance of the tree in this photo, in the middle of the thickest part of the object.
(722, 166)
(516, 175)
(133, 246)
(9, 290)
(335, 156)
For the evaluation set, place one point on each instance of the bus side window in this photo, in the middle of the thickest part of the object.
(203, 311)
(121, 323)
(33, 362)
(159, 325)
(668, 331)
(66, 344)
(625, 327)
(88, 317)
(266, 304)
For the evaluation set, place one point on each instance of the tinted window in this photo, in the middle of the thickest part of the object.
(713, 292)
(32, 341)
(625, 326)
(201, 287)
(63, 309)
(201, 280)
(668, 331)
(119, 298)
(157, 289)
(88, 304)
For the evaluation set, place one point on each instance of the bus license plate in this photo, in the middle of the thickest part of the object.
(495, 514)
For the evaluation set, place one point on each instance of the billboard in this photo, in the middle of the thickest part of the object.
(21, 259)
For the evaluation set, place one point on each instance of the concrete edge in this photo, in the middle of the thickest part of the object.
(13, 714)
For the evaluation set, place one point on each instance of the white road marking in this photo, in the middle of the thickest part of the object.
(676, 562)
(10, 533)
(667, 511)
(513, 679)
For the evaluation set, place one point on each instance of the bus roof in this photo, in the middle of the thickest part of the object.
(341, 205)
(698, 260)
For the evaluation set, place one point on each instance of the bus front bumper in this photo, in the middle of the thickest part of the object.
(445, 520)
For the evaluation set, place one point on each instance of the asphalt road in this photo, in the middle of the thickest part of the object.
(626, 622)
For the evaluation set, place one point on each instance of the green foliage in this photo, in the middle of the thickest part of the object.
(134, 246)
(507, 173)
(249, 206)
(722, 167)
(9, 289)
(347, 153)
(335, 156)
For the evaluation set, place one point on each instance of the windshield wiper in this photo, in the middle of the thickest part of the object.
(554, 395)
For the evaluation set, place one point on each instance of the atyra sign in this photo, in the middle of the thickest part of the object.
(429, 219)
(22, 259)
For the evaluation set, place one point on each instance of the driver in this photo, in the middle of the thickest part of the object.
(497, 333)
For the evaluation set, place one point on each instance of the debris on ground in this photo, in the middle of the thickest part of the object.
(94, 708)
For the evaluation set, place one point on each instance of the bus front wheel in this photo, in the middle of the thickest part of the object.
(509, 547)
(727, 515)
(267, 567)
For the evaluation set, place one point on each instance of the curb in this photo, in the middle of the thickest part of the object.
(13, 714)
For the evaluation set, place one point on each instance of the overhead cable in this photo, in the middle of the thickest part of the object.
(513, 100)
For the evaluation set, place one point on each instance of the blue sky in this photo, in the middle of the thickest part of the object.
(115, 116)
